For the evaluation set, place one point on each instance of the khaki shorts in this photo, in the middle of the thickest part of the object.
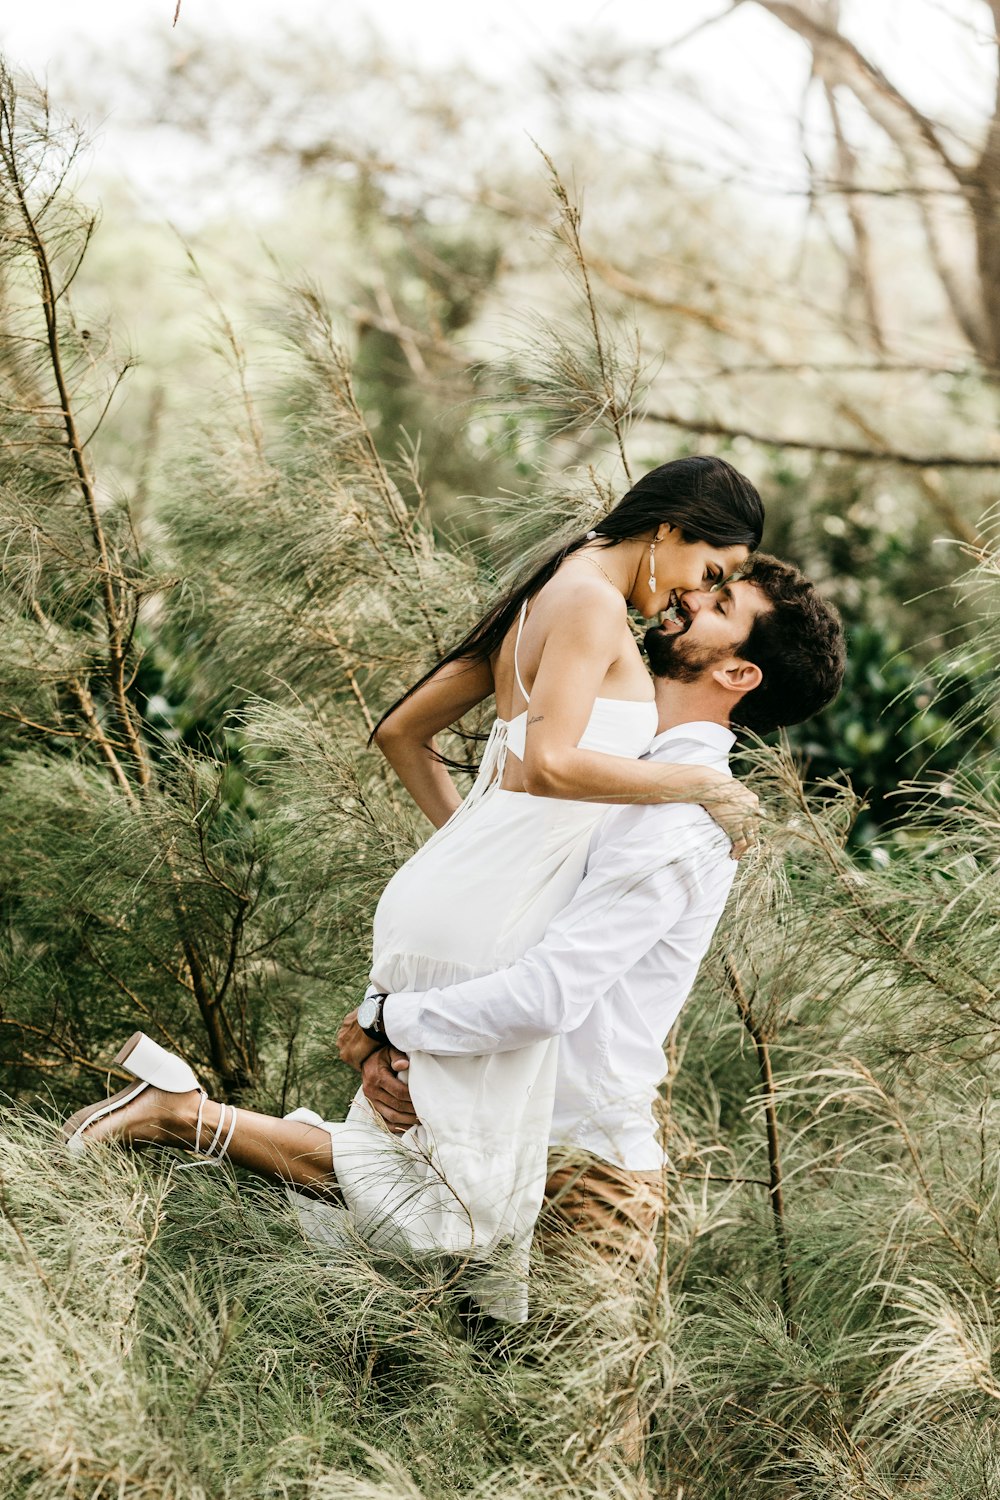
(610, 1208)
(592, 1204)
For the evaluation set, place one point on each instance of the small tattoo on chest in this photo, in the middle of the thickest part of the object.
(536, 719)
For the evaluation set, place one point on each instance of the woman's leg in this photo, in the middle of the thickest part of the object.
(289, 1150)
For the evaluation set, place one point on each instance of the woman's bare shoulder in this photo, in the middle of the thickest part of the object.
(578, 589)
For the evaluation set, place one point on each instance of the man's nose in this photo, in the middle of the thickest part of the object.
(695, 599)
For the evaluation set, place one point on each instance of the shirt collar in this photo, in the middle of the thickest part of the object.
(716, 736)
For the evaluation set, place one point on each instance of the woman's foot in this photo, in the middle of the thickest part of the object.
(150, 1115)
(166, 1103)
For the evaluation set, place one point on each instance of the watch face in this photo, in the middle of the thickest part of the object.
(367, 1013)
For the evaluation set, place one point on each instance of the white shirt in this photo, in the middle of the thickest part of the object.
(610, 974)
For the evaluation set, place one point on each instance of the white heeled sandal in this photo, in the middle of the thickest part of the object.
(156, 1068)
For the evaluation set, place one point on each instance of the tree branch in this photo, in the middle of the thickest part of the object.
(775, 1186)
(828, 44)
(860, 267)
(838, 61)
(712, 428)
(11, 160)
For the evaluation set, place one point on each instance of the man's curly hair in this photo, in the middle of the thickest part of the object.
(798, 644)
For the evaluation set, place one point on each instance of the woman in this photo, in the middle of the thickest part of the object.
(575, 711)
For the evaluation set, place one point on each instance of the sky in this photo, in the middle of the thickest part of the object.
(749, 68)
(918, 39)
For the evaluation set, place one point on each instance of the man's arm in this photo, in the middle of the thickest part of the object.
(624, 905)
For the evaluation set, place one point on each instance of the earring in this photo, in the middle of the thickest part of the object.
(652, 567)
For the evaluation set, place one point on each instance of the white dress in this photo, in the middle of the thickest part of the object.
(469, 1178)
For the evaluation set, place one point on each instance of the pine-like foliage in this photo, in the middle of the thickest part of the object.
(147, 884)
(822, 1320)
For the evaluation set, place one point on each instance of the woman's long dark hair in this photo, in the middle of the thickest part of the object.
(704, 497)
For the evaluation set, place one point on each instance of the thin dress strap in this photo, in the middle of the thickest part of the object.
(517, 642)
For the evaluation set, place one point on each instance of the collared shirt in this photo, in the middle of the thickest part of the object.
(612, 971)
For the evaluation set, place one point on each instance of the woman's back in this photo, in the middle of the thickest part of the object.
(623, 707)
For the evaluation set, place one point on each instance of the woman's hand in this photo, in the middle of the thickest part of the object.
(735, 808)
(406, 736)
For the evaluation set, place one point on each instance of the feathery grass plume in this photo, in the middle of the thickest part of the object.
(129, 889)
(307, 571)
(222, 1355)
(979, 590)
(578, 377)
(945, 1343)
(76, 1246)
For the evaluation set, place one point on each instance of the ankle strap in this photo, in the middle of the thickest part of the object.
(197, 1128)
(214, 1152)
(209, 1151)
(229, 1135)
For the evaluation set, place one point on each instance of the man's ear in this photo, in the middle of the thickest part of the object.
(738, 676)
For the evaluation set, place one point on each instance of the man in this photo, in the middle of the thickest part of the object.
(615, 966)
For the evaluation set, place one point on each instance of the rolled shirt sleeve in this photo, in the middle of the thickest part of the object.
(637, 886)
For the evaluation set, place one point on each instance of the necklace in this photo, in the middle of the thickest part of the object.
(585, 557)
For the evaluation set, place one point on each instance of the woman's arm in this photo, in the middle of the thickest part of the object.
(583, 637)
(406, 738)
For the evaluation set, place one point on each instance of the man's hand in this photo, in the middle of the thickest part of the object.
(383, 1083)
(353, 1044)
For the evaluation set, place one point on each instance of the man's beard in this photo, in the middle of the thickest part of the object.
(677, 658)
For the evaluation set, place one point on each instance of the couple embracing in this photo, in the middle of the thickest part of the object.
(530, 959)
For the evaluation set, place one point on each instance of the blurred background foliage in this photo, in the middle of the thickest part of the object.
(430, 233)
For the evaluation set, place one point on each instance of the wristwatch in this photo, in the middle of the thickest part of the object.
(370, 1017)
